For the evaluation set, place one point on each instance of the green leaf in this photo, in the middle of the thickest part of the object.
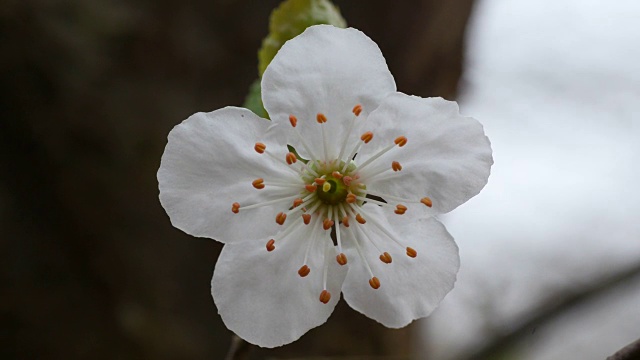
(290, 19)
(253, 101)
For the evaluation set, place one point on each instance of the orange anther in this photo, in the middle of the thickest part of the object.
(347, 180)
(280, 218)
(426, 201)
(411, 252)
(366, 137)
(258, 183)
(325, 296)
(270, 246)
(321, 118)
(357, 109)
(319, 181)
(293, 120)
(360, 219)
(400, 209)
(306, 218)
(345, 221)
(341, 259)
(310, 188)
(291, 158)
(336, 174)
(260, 147)
(374, 282)
(396, 166)
(400, 141)
(297, 202)
(235, 207)
(385, 258)
(304, 271)
(351, 198)
(327, 224)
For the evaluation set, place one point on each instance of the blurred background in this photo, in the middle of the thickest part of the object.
(90, 266)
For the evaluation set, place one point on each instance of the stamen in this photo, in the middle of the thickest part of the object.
(270, 246)
(327, 224)
(270, 202)
(321, 118)
(306, 218)
(304, 271)
(374, 282)
(319, 181)
(376, 156)
(310, 188)
(341, 258)
(325, 146)
(325, 258)
(396, 166)
(235, 207)
(411, 252)
(351, 198)
(337, 175)
(325, 296)
(386, 258)
(258, 183)
(400, 209)
(345, 221)
(297, 202)
(427, 201)
(291, 158)
(293, 120)
(357, 109)
(360, 219)
(280, 218)
(260, 147)
(347, 180)
(359, 250)
(366, 137)
(400, 141)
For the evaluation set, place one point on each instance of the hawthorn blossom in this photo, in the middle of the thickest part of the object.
(336, 194)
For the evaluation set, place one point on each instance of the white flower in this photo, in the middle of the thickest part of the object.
(380, 165)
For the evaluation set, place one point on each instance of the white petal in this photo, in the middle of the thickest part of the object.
(325, 70)
(260, 295)
(208, 164)
(447, 156)
(411, 288)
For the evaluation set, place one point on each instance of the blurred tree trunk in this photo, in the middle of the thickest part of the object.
(90, 265)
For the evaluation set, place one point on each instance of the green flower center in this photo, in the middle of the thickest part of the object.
(333, 191)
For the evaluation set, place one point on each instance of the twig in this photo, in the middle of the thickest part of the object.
(239, 349)
(629, 352)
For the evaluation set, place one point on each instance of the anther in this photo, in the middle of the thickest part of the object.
(280, 218)
(411, 252)
(270, 246)
(366, 137)
(396, 166)
(260, 147)
(291, 158)
(293, 120)
(325, 296)
(337, 175)
(400, 209)
(297, 202)
(319, 181)
(258, 183)
(306, 218)
(385, 258)
(310, 188)
(374, 282)
(347, 180)
(357, 110)
(235, 207)
(341, 259)
(345, 221)
(360, 219)
(351, 198)
(400, 141)
(327, 224)
(321, 118)
(304, 271)
(427, 201)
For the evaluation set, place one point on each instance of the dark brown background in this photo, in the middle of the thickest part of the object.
(90, 265)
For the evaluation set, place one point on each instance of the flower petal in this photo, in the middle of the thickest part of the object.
(260, 295)
(411, 288)
(325, 70)
(447, 156)
(208, 164)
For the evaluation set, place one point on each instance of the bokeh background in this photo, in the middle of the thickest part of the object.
(90, 266)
